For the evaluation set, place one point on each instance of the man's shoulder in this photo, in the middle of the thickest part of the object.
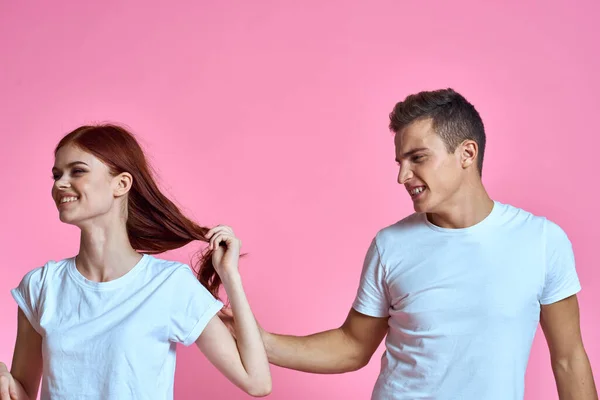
(508, 213)
(403, 229)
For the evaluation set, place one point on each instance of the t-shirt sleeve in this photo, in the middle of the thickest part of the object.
(561, 280)
(372, 296)
(193, 306)
(27, 296)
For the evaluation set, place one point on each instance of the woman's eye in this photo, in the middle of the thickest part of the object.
(77, 171)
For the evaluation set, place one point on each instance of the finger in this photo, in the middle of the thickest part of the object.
(225, 240)
(211, 232)
(225, 237)
(226, 312)
(213, 241)
(225, 227)
(218, 239)
(4, 394)
(228, 321)
(217, 229)
(12, 388)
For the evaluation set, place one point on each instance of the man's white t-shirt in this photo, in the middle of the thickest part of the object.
(463, 304)
(116, 339)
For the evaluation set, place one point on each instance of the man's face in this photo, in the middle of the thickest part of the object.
(431, 175)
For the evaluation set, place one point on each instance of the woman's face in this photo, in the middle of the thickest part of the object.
(83, 189)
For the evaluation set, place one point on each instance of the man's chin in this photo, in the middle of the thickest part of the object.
(420, 207)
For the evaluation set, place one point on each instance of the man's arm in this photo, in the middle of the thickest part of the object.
(570, 364)
(347, 348)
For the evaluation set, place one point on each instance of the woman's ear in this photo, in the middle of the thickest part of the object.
(123, 183)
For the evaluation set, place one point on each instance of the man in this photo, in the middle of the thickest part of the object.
(459, 286)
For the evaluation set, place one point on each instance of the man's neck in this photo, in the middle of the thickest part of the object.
(468, 208)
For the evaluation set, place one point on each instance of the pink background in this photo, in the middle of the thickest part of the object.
(272, 117)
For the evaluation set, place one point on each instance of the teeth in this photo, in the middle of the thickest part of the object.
(67, 199)
(417, 190)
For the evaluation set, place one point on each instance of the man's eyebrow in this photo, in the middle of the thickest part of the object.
(411, 152)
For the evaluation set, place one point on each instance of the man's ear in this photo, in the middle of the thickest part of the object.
(468, 153)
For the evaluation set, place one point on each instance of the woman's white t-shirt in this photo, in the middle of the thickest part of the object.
(116, 339)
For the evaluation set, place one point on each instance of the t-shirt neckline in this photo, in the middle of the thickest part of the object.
(478, 227)
(110, 285)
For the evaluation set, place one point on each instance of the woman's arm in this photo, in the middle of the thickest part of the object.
(244, 362)
(23, 381)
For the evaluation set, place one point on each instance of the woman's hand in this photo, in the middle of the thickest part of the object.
(8, 387)
(242, 359)
(226, 250)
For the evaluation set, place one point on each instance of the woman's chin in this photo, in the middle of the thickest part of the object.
(65, 218)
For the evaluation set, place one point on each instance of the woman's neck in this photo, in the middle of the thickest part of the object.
(105, 252)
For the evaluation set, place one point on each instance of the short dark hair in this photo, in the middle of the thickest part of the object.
(453, 118)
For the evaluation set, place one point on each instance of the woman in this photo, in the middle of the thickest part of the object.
(105, 323)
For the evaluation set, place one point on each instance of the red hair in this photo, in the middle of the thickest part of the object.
(154, 223)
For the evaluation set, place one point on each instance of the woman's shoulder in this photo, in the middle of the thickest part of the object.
(34, 284)
(167, 268)
(51, 269)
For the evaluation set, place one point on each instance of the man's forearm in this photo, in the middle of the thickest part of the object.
(329, 352)
(574, 378)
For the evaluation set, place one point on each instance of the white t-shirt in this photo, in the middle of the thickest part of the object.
(116, 339)
(464, 304)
